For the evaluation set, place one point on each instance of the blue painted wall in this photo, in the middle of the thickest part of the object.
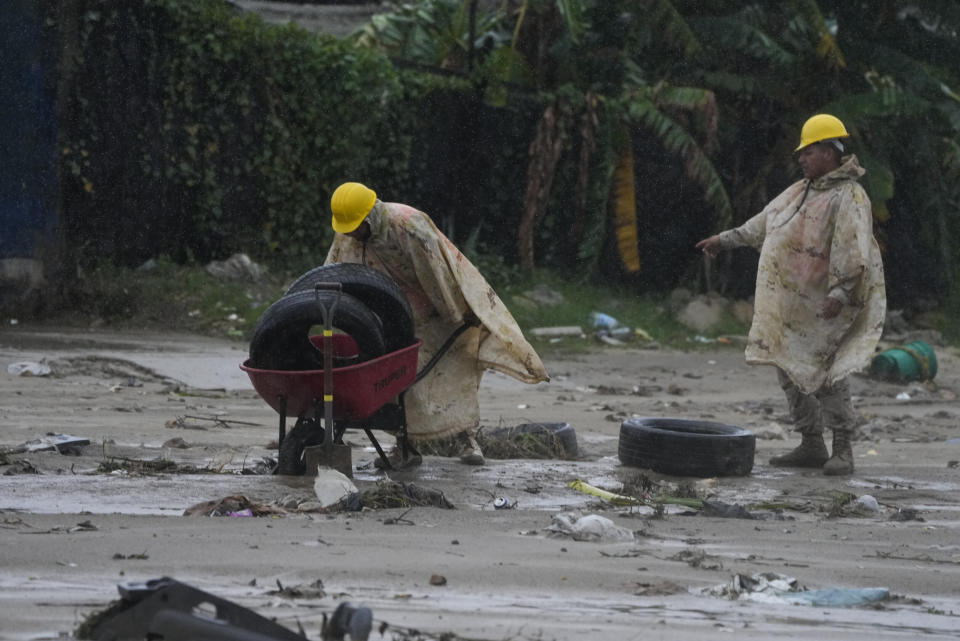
(28, 130)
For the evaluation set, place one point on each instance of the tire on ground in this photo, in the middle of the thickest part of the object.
(375, 289)
(686, 447)
(563, 432)
(290, 460)
(281, 339)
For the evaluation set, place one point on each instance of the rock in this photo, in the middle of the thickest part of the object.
(742, 310)
(702, 312)
(545, 296)
(678, 299)
(238, 267)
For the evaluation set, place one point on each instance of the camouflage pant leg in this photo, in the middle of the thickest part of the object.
(830, 406)
(836, 407)
(804, 408)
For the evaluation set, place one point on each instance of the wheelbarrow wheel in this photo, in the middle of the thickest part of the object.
(281, 339)
(290, 460)
(374, 289)
(686, 447)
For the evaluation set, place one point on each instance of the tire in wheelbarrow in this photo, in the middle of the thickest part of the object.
(686, 448)
(290, 461)
(375, 289)
(281, 339)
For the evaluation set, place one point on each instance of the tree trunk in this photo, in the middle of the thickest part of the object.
(545, 151)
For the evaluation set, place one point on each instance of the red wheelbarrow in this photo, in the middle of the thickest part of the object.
(366, 395)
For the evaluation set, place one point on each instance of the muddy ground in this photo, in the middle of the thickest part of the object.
(172, 422)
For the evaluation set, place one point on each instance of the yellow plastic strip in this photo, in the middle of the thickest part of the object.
(328, 332)
(327, 398)
(617, 499)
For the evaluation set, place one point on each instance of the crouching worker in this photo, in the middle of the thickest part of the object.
(820, 301)
(445, 291)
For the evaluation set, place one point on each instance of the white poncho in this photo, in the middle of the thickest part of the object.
(442, 286)
(815, 240)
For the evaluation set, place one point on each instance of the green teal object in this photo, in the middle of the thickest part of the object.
(914, 361)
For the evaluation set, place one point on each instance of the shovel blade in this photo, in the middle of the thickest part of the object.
(333, 455)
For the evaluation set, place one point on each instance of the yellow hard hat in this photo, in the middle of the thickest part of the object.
(821, 127)
(350, 204)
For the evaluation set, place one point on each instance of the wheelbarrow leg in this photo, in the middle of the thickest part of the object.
(383, 456)
(403, 442)
(283, 421)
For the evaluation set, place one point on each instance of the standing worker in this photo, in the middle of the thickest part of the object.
(820, 301)
(445, 291)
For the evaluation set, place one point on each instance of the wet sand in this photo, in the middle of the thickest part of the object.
(73, 527)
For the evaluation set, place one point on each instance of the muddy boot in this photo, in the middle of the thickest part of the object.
(841, 463)
(470, 452)
(812, 452)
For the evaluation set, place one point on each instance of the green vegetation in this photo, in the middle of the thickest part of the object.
(167, 295)
(188, 298)
(598, 140)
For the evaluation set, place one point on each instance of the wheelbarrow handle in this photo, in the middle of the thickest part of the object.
(472, 322)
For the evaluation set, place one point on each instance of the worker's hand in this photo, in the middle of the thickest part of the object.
(710, 246)
(831, 307)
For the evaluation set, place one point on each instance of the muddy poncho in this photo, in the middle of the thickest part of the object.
(815, 240)
(443, 287)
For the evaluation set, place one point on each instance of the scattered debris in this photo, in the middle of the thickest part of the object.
(84, 526)
(592, 527)
(770, 587)
(348, 621)
(661, 588)
(697, 558)
(311, 591)
(28, 368)
(906, 514)
(167, 609)
(62, 443)
(865, 504)
(399, 520)
(116, 464)
(725, 510)
(230, 505)
(389, 494)
(438, 579)
(332, 486)
(19, 466)
(197, 422)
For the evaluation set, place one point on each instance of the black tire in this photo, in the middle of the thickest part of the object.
(686, 448)
(563, 432)
(281, 339)
(290, 460)
(375, 289)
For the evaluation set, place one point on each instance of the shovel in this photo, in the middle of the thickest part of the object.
(329, 454)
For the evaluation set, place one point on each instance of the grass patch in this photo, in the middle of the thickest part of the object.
(647, 312)
(165, 296)
(187, 298)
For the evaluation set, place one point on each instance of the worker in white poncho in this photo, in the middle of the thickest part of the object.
(820, 301)
(445, 291)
